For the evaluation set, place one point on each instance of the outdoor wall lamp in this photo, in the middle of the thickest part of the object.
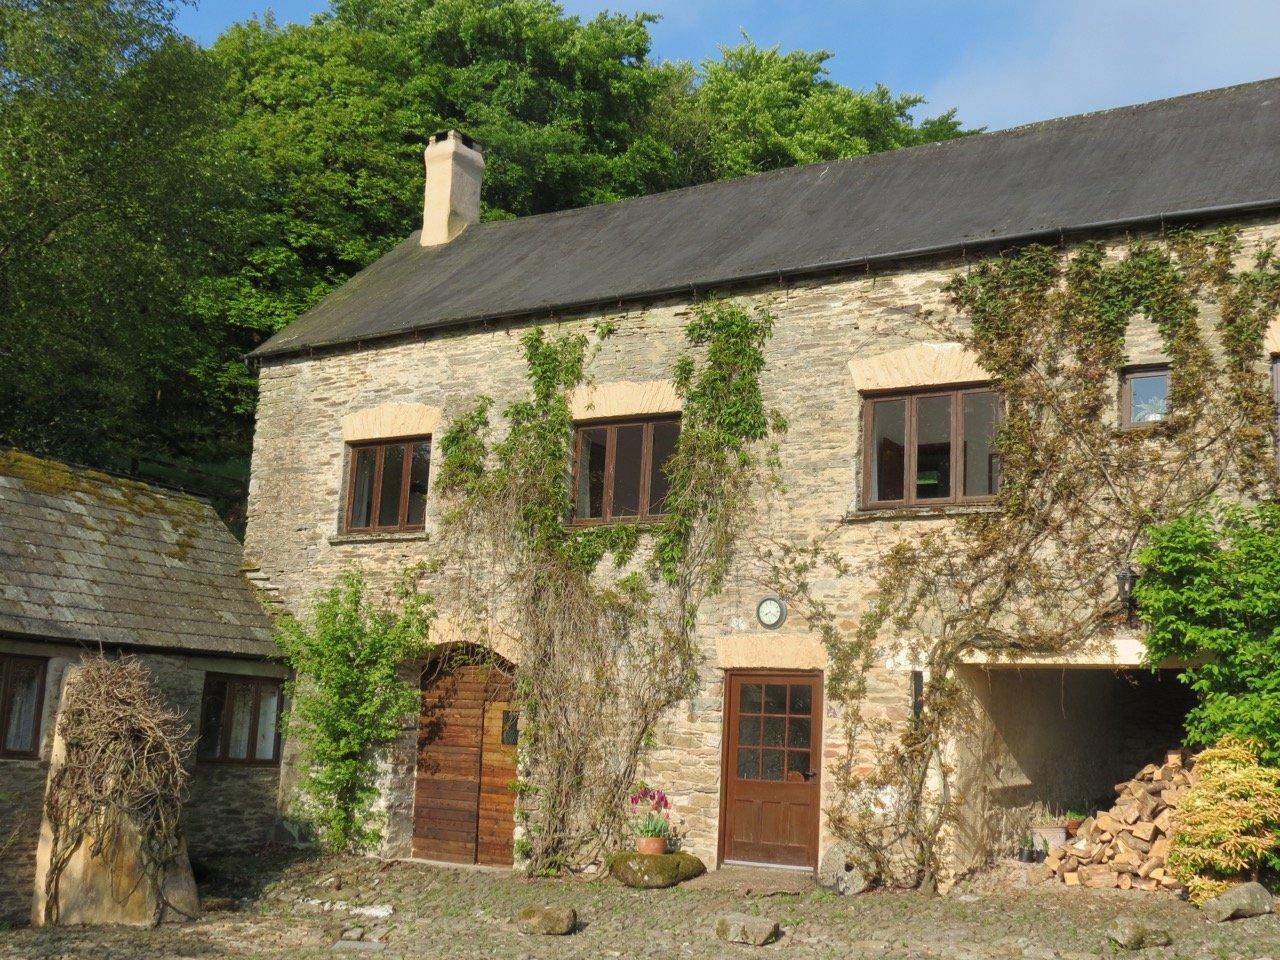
(1126, 579)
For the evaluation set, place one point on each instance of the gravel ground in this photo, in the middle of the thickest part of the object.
(298, 910)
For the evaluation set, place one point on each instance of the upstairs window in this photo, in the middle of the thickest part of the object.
(21, 700)
(619, 470)
(240, 719)
(1144, 396)
(387, 487)
(930, 448)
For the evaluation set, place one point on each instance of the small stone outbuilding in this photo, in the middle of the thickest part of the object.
(93, 563)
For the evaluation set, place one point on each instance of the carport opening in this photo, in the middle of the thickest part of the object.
(1049, 741)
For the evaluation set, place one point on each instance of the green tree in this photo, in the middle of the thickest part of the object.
(1209, 593)
(350, 698)
(758, 108)
(111, 201)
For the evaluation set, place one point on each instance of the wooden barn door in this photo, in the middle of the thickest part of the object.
(464, 809)
(773, 757)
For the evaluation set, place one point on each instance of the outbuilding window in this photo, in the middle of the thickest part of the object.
(934, 447)
(1144, 396)
(619, 469)
(387, 485)
(240, 719)
(21, 700)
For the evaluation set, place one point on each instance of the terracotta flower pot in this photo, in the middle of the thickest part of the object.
(1072, 827)
(651, 845)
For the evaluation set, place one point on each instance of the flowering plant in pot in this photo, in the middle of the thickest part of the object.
(650, 820)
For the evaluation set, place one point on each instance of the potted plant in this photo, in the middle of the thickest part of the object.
(1046, 836)
(1027, 852)
(650, 820)
(1071, 821)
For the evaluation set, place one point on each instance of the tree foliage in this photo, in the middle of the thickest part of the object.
(350, 698)
(1210, 595)
(112, 189)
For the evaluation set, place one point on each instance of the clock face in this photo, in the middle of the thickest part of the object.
(771, 612)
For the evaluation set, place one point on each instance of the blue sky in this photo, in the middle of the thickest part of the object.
(1000, 62)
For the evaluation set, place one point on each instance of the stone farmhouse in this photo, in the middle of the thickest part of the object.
(89, 564)
(890, 434)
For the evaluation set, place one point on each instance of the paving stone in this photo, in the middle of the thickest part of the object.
(744, 928)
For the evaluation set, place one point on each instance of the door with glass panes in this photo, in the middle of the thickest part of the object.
(773, 763)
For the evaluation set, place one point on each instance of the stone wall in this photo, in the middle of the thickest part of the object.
(298, 473)
(229, 807)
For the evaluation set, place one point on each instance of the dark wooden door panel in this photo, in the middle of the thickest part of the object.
(773, 760)
(464, 808)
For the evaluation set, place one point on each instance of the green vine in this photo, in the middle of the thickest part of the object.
(603, 620)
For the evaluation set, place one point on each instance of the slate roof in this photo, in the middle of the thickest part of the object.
(1206, 154)
(89, 557)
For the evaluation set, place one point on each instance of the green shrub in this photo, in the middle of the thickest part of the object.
(1210, 595)
(350, 698)
(1228, 824)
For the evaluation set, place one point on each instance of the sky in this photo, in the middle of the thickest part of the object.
(999, 62)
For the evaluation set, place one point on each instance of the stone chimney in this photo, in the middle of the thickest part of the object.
(455, 168)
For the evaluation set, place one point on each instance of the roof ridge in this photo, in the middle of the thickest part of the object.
(42, 474)
(879, 156)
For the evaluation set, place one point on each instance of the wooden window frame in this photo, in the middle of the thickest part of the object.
(1127, 376)
(224, 734)
(957, 393)
(611, 448)
(7, 662)
(380, 447)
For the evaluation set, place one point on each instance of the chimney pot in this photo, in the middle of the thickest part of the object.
(455, 170)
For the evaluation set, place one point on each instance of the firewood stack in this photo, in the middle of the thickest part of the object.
(1127, 846)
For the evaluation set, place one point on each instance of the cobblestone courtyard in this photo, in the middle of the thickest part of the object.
(300, 910)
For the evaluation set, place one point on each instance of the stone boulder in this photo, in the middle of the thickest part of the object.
(744, 928)
(1129, 933)
(1238, 903)
(548, 921)
(839, 872)
(650, 871)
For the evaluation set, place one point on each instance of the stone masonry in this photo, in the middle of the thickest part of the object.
(822, 324)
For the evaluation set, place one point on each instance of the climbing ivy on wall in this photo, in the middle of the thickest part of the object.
(603, 618)
(1078, 496)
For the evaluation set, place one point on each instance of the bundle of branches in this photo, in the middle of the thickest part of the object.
(123, 777)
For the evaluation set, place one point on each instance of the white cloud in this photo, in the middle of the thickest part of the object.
(1072, 57)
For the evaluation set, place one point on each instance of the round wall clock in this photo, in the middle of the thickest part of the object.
(771, 612)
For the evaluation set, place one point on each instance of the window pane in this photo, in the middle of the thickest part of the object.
(749, 731)
(628, 448)
(241, 718)
(771, 765)
(510, 728)
(362, 487)
(888, 449)
(933, 448)
(419, 470)
(775, 698)
(748, 764)
(268, 713)
(665, 434)
(215, 699)
(590, 495)
(801, 698)
(798, 732)
(773, 731)
(392, 483)
(798, 762)
(981, 465)
(1148, 397)
(750, 698)
(24, 691)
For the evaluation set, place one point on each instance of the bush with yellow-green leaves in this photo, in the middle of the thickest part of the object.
(1228, 825)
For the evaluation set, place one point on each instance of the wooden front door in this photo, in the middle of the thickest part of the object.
(773, 763)
(463, 806)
